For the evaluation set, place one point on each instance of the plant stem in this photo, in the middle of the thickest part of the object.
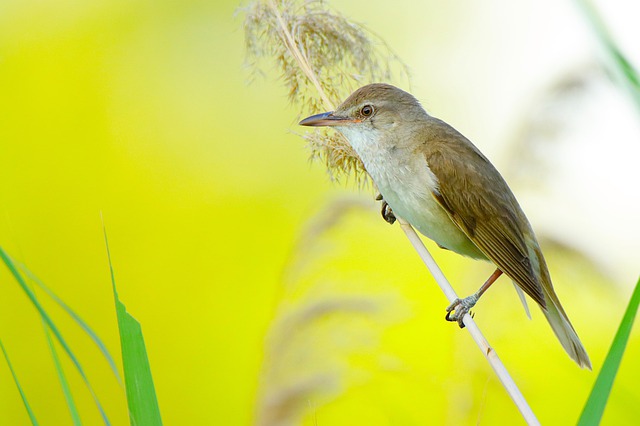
(299, 56)
(489, 353)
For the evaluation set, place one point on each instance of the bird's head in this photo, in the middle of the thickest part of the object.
(373, 116)
(373, 107)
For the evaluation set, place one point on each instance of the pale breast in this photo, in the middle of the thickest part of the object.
(406, 183)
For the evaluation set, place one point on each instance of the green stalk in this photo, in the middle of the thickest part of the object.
(141, 393)
(17, 382)
(597, 402)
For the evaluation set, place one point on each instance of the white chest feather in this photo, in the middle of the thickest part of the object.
(406, 182)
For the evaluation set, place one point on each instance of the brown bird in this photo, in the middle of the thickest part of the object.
(438, 181)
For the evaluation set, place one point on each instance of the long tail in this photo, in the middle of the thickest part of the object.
(564, 330)
(558, 318)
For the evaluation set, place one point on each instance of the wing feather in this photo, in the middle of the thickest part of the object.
(479, 202)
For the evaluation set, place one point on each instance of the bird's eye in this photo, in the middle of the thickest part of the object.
(366, 110)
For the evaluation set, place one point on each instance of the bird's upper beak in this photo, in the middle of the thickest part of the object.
(325, 119)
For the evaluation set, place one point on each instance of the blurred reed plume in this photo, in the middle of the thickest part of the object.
(321, 57)
(553, 150)
(322, 323)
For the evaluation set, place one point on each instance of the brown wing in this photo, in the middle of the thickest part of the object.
(484, 208)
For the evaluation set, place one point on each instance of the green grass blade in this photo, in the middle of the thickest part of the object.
(92, 334)
(594, 408)
(47, 319)
(141, 393)
(68, 396)
(620, 64)
(15, 380)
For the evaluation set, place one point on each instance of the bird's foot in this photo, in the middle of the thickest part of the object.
(460, 307)
(387, 213)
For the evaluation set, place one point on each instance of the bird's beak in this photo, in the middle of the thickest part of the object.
(325, 119)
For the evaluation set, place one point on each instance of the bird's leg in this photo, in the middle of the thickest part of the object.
(387, 213)
(459, 307)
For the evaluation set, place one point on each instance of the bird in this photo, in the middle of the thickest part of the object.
(437, 180)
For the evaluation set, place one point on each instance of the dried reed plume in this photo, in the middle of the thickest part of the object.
(322, 57)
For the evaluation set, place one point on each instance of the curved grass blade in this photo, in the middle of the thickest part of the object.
(68, 396)
(594, 408)
(621, 66)
(66, 390)
(15, 379)
(85, 327)
(47, 319)
(141, 393)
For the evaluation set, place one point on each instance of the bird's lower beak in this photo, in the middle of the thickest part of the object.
(325, 119)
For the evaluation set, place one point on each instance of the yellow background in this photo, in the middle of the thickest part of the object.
(140, 111)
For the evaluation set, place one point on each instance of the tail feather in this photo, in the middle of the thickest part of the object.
(564, 331)
(556, 315)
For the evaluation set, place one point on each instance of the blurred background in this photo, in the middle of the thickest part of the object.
(266, 292)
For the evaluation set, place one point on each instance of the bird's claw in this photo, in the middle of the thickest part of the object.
(387, 213)
(457, 310)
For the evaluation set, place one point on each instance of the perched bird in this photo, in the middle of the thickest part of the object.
(437, 180)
